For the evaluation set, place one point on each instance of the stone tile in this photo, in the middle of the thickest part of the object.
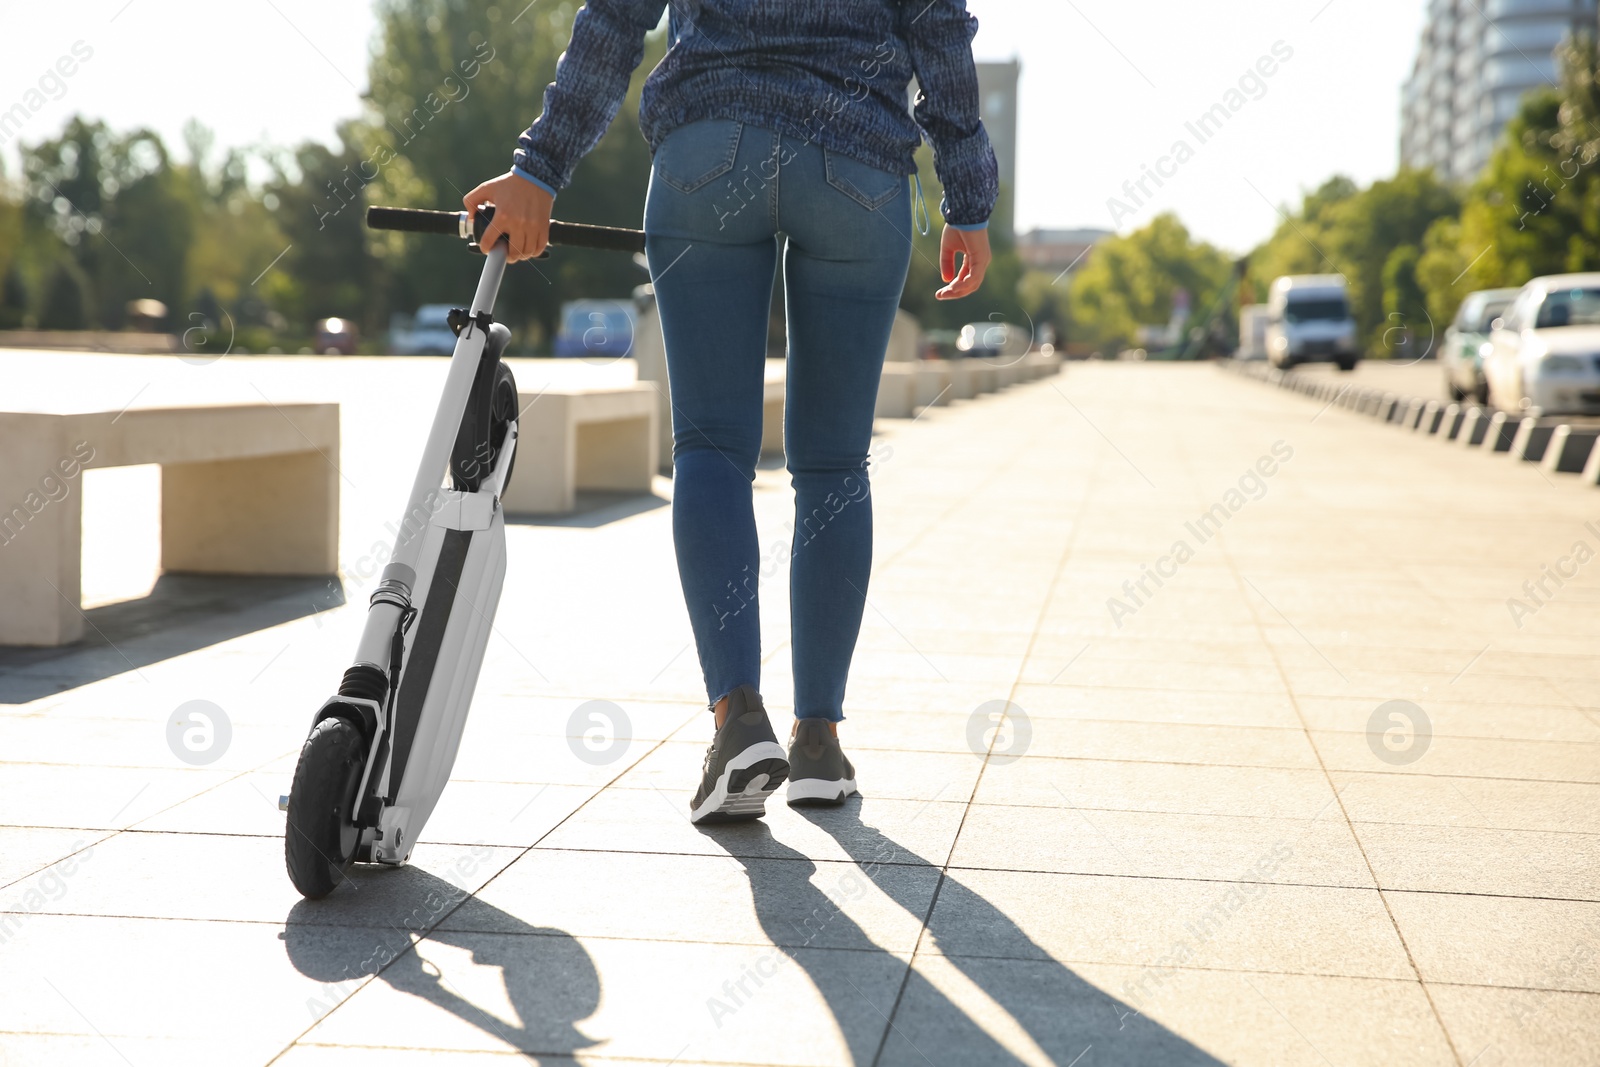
(132, 743)
(870, 728)
(791, 901)
(1172, 742)
(863, 829)
(1262, 710)
(1316, 851)
(26, 851)
(242, 879)
(1005, 1009)
(1161, 922)
(880, 774)
(1464, 859)
(1471, 757)
(1416, 799)
(541, 992)
(1194, 789)
(1526, 722)
(1501, 941)
(175, 988)
(487, 756)
(1158, 674)
(1510, 1027)
(95, 798)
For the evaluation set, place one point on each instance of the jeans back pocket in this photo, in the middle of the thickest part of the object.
(698, 153)
(865, 184)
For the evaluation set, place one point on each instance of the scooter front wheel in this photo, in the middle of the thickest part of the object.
(320, 842)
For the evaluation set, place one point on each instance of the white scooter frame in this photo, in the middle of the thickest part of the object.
(401, 708)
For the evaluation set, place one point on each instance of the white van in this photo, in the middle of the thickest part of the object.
(1308, 321)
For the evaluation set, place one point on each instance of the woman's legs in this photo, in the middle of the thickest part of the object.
(713, 268)
(845, 263)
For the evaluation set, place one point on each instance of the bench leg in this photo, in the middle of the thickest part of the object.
(41, 534)
(619, 454)
(544, 477)
(267, 515)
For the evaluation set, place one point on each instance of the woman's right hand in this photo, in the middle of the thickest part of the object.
(521, 213)
(974, 248)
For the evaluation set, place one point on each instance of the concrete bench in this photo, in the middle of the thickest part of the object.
(572, 438)
(650, 361)
(897, 391)
(245, 489)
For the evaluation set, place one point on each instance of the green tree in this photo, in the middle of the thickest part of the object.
(120, 209)
(1342, 229)
(64, 305)
(327, 267)
(453, 83)
(1133, 280)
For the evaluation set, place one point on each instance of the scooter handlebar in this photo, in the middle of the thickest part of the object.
(456, 224)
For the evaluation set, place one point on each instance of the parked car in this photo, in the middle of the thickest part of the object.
(1467, 340)
(993, 339)
(595, 328)
(335, 337)
(1545, 351)
(1309, 321)
(428, 334)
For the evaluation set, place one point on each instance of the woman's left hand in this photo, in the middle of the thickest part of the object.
(975, 255)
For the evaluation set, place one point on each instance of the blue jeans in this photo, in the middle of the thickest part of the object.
(724, 197)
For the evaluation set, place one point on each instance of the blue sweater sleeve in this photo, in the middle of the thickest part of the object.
(591, 80)
(939, 34)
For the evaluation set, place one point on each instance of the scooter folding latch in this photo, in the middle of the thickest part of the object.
(460, 318)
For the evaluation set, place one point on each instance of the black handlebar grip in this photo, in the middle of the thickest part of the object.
(607, 238)
(414, 220)
(568, 234)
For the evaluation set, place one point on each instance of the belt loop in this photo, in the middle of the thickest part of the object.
(922, 202)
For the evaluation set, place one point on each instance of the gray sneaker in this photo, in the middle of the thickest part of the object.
(819, 773)
(744, 765)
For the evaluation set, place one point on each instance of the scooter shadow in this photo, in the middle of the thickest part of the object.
(1062, 1013)
(548, 978)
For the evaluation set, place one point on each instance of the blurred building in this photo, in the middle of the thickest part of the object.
(1475, 61)
(1058, 251)
(997, 97)
(997, 106)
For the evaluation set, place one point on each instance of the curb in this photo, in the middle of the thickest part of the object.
(1557, 447)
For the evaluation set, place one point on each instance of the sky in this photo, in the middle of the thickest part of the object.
(1107, 88)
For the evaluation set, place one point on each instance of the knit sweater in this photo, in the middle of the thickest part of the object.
(832, 72)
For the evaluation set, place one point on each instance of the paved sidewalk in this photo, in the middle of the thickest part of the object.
(1202, 833)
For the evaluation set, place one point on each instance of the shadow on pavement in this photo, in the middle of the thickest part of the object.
(1062, 1013)
(549, 979)
(183, 613)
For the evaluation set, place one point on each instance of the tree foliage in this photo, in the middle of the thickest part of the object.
(1372, 236)
(1536, 208)
(1133, 280)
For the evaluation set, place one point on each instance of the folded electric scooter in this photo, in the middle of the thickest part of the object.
(380, 751)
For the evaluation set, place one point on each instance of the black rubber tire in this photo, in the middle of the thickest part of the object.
(319, 843)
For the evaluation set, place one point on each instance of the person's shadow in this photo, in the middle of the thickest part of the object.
(1060, 1012)
(550, 981)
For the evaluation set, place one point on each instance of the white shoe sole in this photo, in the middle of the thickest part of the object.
(820, 790)
(754, 786)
